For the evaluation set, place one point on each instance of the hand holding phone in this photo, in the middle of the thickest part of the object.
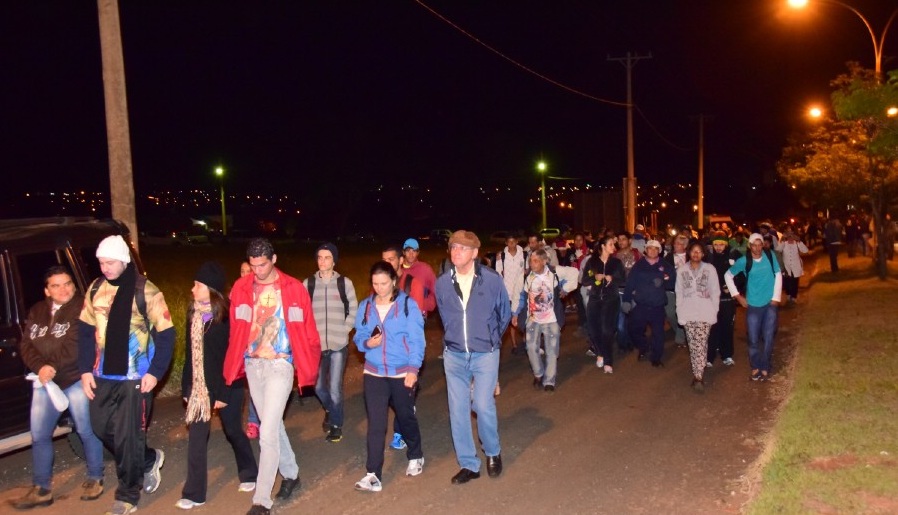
(376, 331)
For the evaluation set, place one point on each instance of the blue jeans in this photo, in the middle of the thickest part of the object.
(43, 421)
(482, 369)
(329, 387)
(551, 334)
(761, 322)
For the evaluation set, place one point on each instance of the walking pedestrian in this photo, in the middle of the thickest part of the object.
(698, 299)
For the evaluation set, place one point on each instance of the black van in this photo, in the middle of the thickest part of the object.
(28, 247)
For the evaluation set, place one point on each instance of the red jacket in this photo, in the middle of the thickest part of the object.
(301, 329)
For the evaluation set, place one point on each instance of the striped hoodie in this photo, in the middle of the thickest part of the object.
(330, 315)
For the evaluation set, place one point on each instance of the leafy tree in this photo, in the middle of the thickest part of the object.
(853, 158)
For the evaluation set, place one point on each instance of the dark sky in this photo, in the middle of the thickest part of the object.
(297, 95)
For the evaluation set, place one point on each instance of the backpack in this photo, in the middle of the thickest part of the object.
(558, 304)
(371, 301)
(341, 288)
(140, 295)
(742, 285)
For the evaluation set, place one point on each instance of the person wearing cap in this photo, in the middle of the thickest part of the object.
(334, 320)
(273, 340)
(644, 300)
(49, 349)
(720, 341)
(639, 238)
(421, 271)
(791, 249)
(761, 298)
(475, 312)
(125, 345)
(204, 391)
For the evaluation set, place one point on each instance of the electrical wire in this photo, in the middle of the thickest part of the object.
(658, 133)
(516, 63)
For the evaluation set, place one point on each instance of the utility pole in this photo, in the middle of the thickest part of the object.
(630, 182)
(121, 178)
(700, 201)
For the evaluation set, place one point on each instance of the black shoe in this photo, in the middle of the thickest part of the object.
(550, 388)
(642, 357)
(657, 364)
(463, 476)
(537, 382)
(494, 465)
(258, 509)
(335, 434)
(287, 487)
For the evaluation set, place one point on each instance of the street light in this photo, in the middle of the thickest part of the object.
(541, 168)
(815, 112)
(877, 43)
(219, 171)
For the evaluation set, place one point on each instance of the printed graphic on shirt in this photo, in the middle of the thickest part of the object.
(696, 284)
(268, 334)
(541, 299)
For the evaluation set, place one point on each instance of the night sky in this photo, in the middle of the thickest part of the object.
(311, 96)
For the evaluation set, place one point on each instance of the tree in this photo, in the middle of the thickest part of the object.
(853, 158)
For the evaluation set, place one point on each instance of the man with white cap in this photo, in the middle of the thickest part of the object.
(125, 345)
(761, 298)
(644, 300)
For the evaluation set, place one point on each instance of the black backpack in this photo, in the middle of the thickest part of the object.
(341, 288)
(742, 284)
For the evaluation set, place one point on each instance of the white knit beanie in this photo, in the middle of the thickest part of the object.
(114, 247)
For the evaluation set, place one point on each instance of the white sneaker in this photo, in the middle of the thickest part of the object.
(247, 487)
(187, 504)
(369, 483)
(152, 478)
(729, 362)
(415, 467)
(709, 365)
(600, 362)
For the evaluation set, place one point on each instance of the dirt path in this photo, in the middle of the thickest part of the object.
(637, 441)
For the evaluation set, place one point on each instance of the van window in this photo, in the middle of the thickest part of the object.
(32, 268)
(91, 264)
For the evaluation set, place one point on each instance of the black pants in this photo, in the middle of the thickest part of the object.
(602, 316)
(581, 309)
(833, 249)
(721, 337)
(198, 446)
(643, 316)
(380, 393)
(120, 415)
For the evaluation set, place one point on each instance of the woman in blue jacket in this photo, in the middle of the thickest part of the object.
(389, 330)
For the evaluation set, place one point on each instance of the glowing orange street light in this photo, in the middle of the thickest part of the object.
(815, 112)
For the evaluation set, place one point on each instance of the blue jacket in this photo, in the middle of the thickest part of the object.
(480, 326)
(402, 348)
(647, 283)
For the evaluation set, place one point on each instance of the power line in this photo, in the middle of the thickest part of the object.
(516, 63)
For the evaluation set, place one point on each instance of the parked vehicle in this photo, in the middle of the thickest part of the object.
(28, 247)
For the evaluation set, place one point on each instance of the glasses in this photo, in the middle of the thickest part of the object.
(456, 246)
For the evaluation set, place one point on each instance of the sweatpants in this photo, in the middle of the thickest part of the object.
(380, 393)
(120, 415)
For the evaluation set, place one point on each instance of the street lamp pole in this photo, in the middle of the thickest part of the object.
(219, 171)
(877, 43)
(541, 167)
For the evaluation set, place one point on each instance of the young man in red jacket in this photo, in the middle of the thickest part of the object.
(273, 336)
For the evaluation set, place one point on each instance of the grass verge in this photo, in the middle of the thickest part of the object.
(835, 448)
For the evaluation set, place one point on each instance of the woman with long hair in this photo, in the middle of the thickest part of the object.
(698, 299)
(605, 274)
(389, 330)
(204, 390)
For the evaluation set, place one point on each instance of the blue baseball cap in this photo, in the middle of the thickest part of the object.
(410, 243)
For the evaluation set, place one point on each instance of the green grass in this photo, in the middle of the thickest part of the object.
(836, 442)
(172, 270)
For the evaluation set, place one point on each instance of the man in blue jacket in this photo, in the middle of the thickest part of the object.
(646, 288)
(475, 311)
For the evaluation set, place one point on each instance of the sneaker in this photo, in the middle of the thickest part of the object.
(152, 478)
(590, 353)
(258, 509)
(92, 489)
(121, 508)
(248, 486)
(756, 375)
(729, 362)
(398, 443)
(415, 467)
(600, 362)
(709, 365)
(252, 430)
(608, 369)
(369, 483)
(187, 504)
(35, 497)
(335, 434)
